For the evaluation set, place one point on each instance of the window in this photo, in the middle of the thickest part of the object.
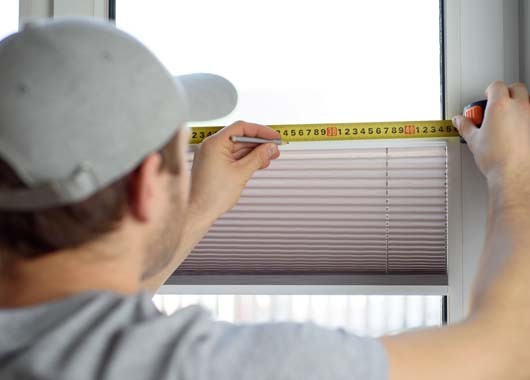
(466, 25)
(8, 18)
(318, 62)
(302, 62)
(373, 315)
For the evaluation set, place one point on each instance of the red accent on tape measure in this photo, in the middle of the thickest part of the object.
(331, 131)
(410, 129)
(476, 114)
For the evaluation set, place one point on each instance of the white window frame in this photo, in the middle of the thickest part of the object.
(482, 45)
(485, 40)
(38, 9)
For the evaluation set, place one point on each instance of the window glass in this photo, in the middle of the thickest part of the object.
(373, 315)
(8, 18)
(297, 61)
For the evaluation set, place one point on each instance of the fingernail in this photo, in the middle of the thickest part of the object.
(455, 121)
(272, 150)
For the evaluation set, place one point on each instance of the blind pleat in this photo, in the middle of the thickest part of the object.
(335, 211)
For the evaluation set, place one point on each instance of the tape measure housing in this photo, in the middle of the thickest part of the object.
(349, 131)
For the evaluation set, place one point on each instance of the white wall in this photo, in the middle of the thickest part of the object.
(35, 9)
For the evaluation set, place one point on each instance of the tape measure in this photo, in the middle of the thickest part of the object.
(359, 131)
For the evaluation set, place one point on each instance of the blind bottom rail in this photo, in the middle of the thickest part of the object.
(312, 279)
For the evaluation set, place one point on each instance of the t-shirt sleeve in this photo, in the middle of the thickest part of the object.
(135, 342)
(288, 351)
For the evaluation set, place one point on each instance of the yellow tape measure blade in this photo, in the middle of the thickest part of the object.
(349, 131)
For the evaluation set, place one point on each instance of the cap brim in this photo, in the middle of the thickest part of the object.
(209, 96)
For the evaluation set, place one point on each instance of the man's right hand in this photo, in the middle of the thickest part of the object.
(222, 168)
(501, 147)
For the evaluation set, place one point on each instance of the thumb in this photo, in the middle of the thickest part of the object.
(258, 158)
(465, 127)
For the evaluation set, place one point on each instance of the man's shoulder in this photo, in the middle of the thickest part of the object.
(96, 333)
(115, 337)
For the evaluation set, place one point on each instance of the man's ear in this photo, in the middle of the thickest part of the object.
(146, 187)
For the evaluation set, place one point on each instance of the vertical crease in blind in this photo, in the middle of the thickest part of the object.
(387, 205)
(335, 211)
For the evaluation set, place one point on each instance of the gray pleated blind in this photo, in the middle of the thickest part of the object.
(337, 214)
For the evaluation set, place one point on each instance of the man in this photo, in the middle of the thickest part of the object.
(95, 213)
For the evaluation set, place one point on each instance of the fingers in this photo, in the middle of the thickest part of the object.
(497, 91)
(239, 145)
(241, 153)
(240, 150)
(519, 91)
(242, 128)
(259, 158)
(466, 128)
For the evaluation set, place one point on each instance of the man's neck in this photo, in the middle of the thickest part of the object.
(26, 282)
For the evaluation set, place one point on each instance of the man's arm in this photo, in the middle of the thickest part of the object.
(221, 170)
(493, 342)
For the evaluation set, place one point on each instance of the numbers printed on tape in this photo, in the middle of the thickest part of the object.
(349, 131)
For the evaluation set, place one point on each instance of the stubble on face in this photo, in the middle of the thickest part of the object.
(163, 245)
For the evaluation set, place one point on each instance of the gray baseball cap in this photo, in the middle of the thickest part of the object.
(82, 103)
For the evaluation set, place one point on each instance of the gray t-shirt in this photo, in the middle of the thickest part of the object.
(98, 335)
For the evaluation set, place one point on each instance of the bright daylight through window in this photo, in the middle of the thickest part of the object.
(319, 62)
(8, 18)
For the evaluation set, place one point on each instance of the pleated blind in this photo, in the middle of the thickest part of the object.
(337, 214)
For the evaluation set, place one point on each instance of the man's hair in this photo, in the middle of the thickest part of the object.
(30, 234)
